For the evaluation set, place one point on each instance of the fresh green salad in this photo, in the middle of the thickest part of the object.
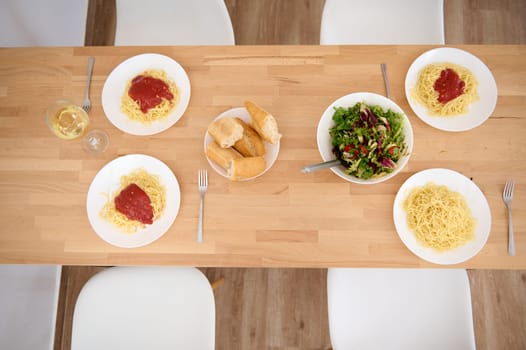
(368, 140)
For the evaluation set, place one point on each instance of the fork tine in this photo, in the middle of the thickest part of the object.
(508, 189)
(202, 178)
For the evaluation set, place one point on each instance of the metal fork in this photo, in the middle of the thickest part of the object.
(86, 105)
(202, 186)
(507, 196)
(386, 80)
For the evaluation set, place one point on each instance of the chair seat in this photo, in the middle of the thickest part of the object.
(382, 22)
(173, 22)
(400, 309)
(145, 308)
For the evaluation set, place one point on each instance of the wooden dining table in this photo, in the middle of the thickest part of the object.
(284, 218)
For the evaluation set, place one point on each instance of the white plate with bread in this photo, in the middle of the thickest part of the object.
(242, 143)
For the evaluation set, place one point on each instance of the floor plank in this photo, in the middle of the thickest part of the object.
(485, 21)
(100, 23)
(499, 308)
(276, 21)
(271, 308)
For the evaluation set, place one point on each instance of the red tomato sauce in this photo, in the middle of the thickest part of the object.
(135, 204)
(449, 86)
(148, 92)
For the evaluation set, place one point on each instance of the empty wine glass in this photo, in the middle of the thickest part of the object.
(95, 141)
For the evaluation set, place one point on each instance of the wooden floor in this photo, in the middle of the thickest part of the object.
(287, 308)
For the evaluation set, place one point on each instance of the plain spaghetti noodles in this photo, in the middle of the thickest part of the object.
(439, 218)
(425, 93)
(161, 109)
(151, 185)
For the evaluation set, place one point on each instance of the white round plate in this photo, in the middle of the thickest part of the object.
(107, 181)
(475, 199)
(326, 123)
(478, 111)
(115, 87)
(242, 113)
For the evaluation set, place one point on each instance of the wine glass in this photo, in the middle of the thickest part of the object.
(69, 121)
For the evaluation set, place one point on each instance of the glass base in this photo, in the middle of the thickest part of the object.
(95, 141)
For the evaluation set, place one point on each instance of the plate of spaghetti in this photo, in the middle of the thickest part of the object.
(451, 89)
(442, 216)
(133, 200)
(146, 94)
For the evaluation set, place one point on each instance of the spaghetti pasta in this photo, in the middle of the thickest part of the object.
(151, 185)
(439, 218)
(426, 94)
(132, 108)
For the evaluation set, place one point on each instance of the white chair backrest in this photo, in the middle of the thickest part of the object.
(42, 22)
(173, 22)
(145, 308)
(400, 309)
(382, 22)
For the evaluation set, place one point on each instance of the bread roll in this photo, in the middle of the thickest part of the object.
(247, 167)
(251, 144)
(225, 131)
(222, 156)
(263, 122)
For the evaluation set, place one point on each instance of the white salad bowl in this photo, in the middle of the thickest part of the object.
(371, 99)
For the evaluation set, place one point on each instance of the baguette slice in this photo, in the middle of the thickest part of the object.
(251, 144)
(263, 122)
(222, 156)
(226, 131)
(247, 167)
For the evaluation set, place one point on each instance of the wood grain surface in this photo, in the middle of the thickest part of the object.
(283, 218)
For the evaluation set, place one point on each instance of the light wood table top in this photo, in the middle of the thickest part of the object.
(283, 218)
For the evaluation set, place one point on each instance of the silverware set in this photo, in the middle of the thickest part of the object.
(507, 197)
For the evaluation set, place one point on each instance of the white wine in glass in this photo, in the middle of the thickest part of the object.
(67, 120)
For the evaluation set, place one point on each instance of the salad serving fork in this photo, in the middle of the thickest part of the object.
(202, 187)
(86, 105)
(507, 197)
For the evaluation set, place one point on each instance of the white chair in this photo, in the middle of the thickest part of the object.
(382, 22)
(28, 306)
(173, 22)
(399, 309)
(145, 308)
(42, 23)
